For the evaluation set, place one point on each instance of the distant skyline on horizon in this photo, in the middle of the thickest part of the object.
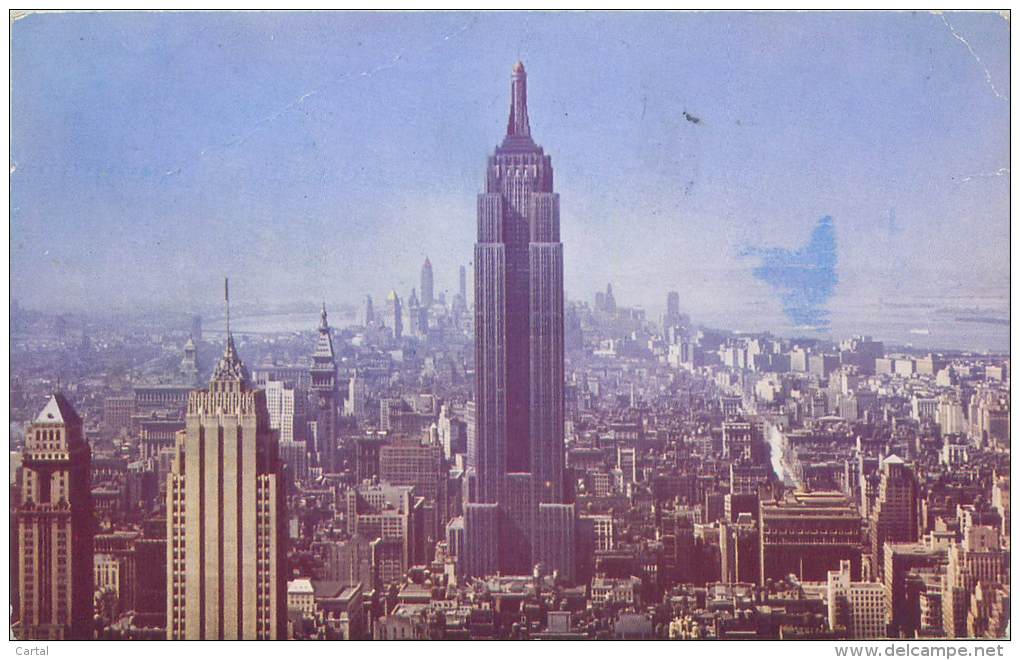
(323, 156)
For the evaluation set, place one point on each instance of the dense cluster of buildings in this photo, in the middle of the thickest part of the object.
(506, 466)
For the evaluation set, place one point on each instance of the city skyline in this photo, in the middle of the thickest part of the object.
(710, 150)
(757, 415)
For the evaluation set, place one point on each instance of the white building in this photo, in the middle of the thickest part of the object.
(301, 597)
(625, 591)
(949, 417)
(285, 409)
(354, 405)
(924, 408)
(858, 606)
(106, 568)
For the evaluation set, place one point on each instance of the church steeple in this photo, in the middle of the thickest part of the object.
(518, 125)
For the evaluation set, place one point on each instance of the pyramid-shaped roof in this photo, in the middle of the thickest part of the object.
(230, 366)
(324, 343)
(58, 410)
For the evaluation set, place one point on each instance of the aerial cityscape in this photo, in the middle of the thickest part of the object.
(268, 425)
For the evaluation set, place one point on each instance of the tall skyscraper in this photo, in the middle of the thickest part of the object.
(895, 518)
(459, 310)
(189, 364)
(394, 314)
(904, 564)
(672, 304)
(354, 406)
(978, 560)
(673, 317)
(327, 395)
(518, 457)
(369, 312)
(286, 404)
(427, 290)
(408, 462)
(610, 299)
(226, 522)
(417, 316)
(196, 327)
(55, 528)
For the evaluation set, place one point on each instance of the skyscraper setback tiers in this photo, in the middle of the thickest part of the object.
(518, 461)
(226, 514)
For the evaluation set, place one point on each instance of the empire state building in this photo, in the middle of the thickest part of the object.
(517, 453)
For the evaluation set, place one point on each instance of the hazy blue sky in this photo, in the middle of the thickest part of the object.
(320, 156)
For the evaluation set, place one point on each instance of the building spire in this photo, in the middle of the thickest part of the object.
(518, 122)
(324, 344)
(230, 366)
(226, 302)
(229, 350)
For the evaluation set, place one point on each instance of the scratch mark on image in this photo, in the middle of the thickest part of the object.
(273, 117)
(1002, 171)
(988, 76)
